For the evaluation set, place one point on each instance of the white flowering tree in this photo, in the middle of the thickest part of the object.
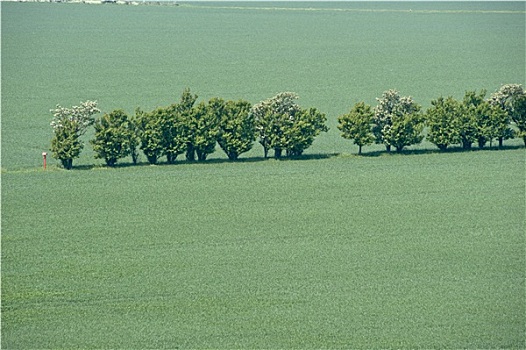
(512, 99)
(272, 117)
(397, 121)
(69, 124)
(282, 124)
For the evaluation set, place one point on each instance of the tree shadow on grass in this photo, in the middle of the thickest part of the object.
(313, 156)
(183, 161)
(456, 149)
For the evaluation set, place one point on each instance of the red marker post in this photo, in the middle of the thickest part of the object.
(44, 155)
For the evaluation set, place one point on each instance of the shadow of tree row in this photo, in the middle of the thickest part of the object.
(304, 157)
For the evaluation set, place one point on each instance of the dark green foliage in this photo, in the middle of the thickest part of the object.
(177, 126)
(168, 125)
(185, 126)
(170, 131)
(305, 125)
(134, 140)
(149, 127)
(397, 121)
(498, 124)
(114, 136)
(236, 132)
(519, 115)
(203, 127)
(66, 144)
(356, 125)
(473, 121)
(406, 130)
(468, 129)
(483, 120)
(443, 119)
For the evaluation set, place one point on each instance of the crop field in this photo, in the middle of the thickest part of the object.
(333, 250)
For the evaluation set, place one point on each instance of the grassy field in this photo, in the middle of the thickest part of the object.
(418, 250)
(411, 251)
(144, 56)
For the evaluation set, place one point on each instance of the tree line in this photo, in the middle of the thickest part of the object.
(398, 121)
(283, 127)
(188, 128)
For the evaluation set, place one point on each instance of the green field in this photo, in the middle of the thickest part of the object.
(144, 56)
(415, 250)
(411, 251)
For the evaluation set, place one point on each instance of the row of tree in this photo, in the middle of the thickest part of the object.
(188, 128)
(397, 121)
(282, 126)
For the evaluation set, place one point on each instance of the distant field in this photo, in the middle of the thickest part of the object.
(419, 250)
(130, 56)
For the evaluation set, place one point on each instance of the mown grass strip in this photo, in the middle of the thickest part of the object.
(429, 11)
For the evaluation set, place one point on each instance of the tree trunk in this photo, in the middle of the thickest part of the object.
(501, 140)
(201, 156)
(67, 163)
(152, 159)
(170, 157)
(111, 161)
(232, 155)
(466, 144)
(482, 142)
(135, 156)
(442, 147)
(277, 152)
(359, 149)
(399, 149)
(524, 139)
(388, 148)
(190, 153)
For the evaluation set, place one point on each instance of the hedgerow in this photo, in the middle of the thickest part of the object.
(283, 126)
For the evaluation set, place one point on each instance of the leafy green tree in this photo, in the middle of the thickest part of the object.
(185, 123)
(442, 120)
(509, 98)
(498, 126)
(172, 142)
(149, 127)
(113, 137)
(204, 127)
(469, 131)
(397, 121)
(489, 120)
(356, 125)
(69, 124)
(519, 115)
(302, 130)
(304, 126)
(168, 131)
(405, 130)
(134, 140)
(236, 132)
(473, 122)
(66, 144)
